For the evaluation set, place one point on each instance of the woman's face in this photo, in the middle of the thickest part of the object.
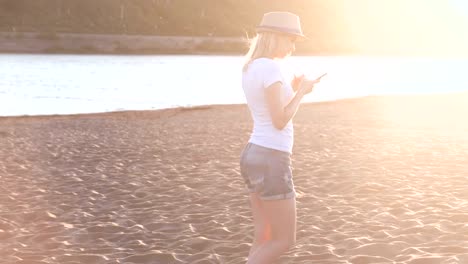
(288, 47)
(292, 41)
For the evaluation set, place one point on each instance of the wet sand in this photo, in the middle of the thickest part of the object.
(379, 180)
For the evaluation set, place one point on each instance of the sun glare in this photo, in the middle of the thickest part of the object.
(428, 27)
(460, 6)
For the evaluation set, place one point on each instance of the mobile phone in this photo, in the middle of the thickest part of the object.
(320, 77)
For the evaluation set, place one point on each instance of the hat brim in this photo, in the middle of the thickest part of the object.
(281, 30)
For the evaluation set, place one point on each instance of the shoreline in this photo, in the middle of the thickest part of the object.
(178, 109)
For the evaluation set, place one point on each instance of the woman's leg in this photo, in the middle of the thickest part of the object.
(281, 214)
(262, 229)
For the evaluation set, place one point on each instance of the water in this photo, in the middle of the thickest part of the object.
(67, 84)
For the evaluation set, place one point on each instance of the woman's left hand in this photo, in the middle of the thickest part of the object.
(296, 82)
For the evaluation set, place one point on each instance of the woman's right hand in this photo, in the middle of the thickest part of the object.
(307, 86)
(296, 82)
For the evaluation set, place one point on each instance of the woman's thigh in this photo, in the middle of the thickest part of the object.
(262, 227)
(281, 215)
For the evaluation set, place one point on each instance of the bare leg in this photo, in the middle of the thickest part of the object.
(262, 229)
(281, 214)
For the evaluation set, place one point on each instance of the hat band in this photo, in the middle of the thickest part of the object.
(280, 29)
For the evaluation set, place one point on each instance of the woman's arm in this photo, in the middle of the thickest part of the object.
(282, 115)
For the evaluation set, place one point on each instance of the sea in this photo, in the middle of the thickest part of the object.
(44, 84)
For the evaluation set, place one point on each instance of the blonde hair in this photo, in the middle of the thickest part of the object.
(267, 45)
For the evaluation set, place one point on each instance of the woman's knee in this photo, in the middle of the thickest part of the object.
(285, 244)
(262, 233)
(291, 242)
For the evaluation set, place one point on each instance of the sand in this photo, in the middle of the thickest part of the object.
(379, 180)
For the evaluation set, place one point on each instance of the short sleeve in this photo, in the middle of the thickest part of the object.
(272, 74)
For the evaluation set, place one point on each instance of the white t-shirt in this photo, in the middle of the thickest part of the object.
(260, 74)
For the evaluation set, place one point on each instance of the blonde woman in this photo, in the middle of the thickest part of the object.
(266, 159)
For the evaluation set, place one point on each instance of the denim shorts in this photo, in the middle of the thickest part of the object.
(267, 172)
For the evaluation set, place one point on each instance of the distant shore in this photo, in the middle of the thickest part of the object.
(81, 43)
(51, 42)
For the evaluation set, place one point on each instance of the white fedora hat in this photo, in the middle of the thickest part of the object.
(281, 22)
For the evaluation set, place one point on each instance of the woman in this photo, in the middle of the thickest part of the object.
(266, 159)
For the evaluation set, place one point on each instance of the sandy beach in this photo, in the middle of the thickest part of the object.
(379, 180)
